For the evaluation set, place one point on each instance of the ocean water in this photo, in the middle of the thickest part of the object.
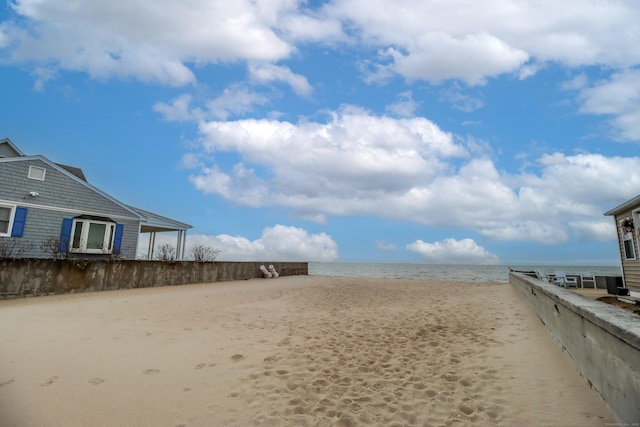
(463, 273)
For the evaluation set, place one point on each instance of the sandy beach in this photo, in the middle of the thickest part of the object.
(292, 351)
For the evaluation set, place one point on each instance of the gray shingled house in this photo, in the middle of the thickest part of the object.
(627, 220)
(48, 208)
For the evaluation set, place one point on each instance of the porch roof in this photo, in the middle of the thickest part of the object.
(152, 223)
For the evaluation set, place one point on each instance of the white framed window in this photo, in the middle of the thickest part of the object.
(7, 213)
(91, 236)
(37, 173)
(628, 246)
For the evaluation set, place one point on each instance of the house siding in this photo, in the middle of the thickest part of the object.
(59, 196)
(630, 268)
(57, 190)
(44, 224)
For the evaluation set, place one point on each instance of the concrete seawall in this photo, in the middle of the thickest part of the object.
(603, 341)
(21, 277)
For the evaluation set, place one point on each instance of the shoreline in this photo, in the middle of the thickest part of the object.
(297, 350)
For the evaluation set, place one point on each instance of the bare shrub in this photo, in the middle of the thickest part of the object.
(51, 246)
(114, 256)
(166, 253)
(202, 253)
(13, 248)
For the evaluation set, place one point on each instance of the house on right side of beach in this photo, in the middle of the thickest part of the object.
(627, 220)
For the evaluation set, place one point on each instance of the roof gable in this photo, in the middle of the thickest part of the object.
(75, 171)
(8, 149)
(74, 177)
(629, 204)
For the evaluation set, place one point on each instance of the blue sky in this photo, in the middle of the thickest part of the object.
(482, 132)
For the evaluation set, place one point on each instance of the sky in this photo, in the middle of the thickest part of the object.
(465, 131)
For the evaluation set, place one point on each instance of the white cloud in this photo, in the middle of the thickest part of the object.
(576, 83)
(438, 56)
(530, 69)
(551, 231)
(619, 97)
(410, 170)
(5, 30)
(42, 76)
(277, 243)
(460, 100)
(405, 106)
(235, 100)
(467, 39)
(598, 230)
(374, 73)
(451, 251)
(312, 26)
(472, 40)
(267, 73)
(338, 167)
(179, 110)
(583, 181)
(121, 38)
(241, 185)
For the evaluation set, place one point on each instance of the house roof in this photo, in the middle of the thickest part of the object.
(152, 222)
(75, 171)
(8, 149)
(629, 204)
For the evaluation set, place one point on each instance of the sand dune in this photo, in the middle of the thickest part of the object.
(292, 351)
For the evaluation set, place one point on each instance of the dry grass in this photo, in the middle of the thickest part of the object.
(613, 300)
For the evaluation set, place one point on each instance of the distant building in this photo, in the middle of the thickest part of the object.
(46, 207)
(627, 220)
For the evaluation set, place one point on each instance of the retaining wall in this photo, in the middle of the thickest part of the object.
(602, 340)
(21, 277)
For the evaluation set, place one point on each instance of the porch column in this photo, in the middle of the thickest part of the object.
(184, 241)
(152, 242)
(179, 246)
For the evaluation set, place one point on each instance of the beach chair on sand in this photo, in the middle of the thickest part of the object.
(588, 279)
(541, 275)
(560, 278)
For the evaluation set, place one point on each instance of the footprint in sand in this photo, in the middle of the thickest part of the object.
(466, 409)
(96, 381)
(49, 381)
(271, 359)
(150, 371)
(6, 383)
(237, 357)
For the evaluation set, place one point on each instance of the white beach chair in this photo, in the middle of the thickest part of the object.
(541, 275)
(588, 278)
(560, 278)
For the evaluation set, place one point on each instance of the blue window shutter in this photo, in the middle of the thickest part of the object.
(19, 219)
(65, 235)
(117, 238)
